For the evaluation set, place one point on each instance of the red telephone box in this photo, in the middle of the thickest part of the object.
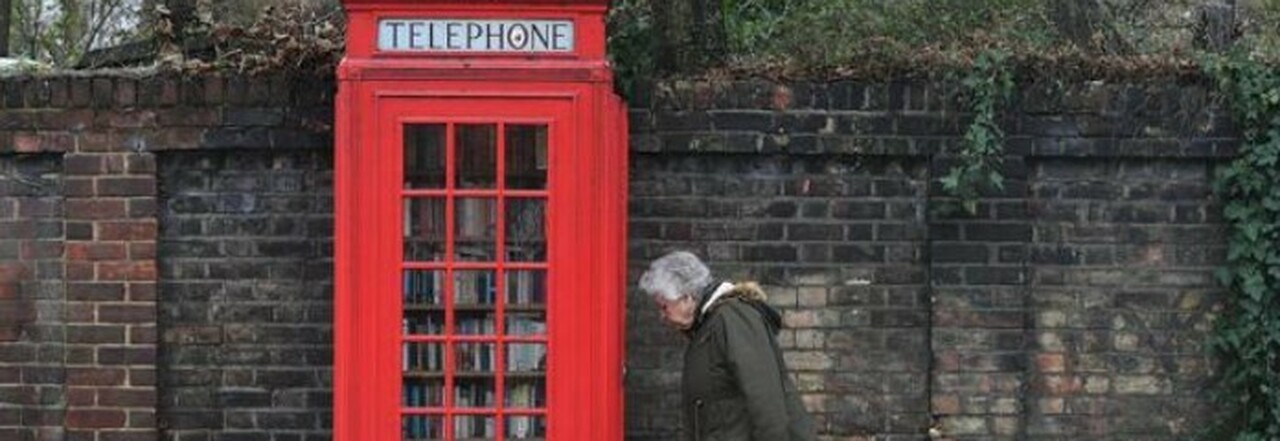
(480, 226)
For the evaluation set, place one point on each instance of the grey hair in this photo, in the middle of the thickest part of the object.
(674, 275)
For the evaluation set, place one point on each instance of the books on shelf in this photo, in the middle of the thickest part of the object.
(522, 357)
(422, 357)
(475, 325)
(525, 427)
(526, 325)
(474, 357)
(422, 288)
(474, 288)
(473, 427)
(526, 288)
(419, 427)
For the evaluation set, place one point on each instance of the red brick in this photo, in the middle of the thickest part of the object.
(127, 186)
(77, 164)
(95, 334)
(142, 335)
(141, 164)
(94, 418)
(97, 142)
(10, 374)
(142, 251)
(79, 187)
(133, 397)
(1050, 363)
(95, 376)
(26, 142)
(126, 92)
(81, 396)
(142, 291)
(30, 208)
(115, 164)
(110, 355)
(127, 313)
(95, 291)
(41, 250)
(96, 251)
(129, 230)
(144, 270)
(78, 312)
(128, 435)
(80, 271)
(13, 272)
(142, 418)
(140, 376)
(8, 291)
(136, 119)
(93, 209)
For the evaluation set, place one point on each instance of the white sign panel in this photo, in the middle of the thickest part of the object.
(459, 35)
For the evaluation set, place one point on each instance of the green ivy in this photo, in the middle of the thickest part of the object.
(1247, 335)
(987, 87)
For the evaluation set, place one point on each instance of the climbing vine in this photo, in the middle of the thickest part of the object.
(1247, 334)
(987, 86)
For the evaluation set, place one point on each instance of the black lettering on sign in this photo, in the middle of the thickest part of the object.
(395, 32)
(415, 35)
(559, 35)
(540, 36)
(474, 32)
(454, 31)
(493, 36)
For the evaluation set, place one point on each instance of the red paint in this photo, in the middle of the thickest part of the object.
(585, 196)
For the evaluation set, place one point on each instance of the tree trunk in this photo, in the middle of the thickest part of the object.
(6, 8)
(182, 14)
(690, 34)
(1215, 28)
(1085, 24)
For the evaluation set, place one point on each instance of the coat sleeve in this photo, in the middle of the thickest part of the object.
(757, 371)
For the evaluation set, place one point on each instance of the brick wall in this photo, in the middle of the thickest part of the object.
(164, 256)
(246, 295)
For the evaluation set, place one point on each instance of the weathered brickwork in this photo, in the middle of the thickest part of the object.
(839, 244)
(246, 310)
(165, 244)
(33, 393)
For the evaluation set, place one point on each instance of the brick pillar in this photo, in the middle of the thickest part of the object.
(980, 313)
(111, 285)
(31, 335)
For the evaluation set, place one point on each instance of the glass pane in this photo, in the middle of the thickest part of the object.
(476, 155)
(423, 304)
(472, 427)
(474, 222)
(422, 428)
(527, 156)
(474, 293)
(526, 235)
(526, 392)
(526, 427)
(422, 360)
(526, 357)
(423, 392)
(474, 358)
(526, 303)
(424, 229)
(424, 158)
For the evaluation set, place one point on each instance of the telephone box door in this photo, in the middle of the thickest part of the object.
(469, 280)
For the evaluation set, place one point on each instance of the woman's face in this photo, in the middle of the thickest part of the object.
(678, 313)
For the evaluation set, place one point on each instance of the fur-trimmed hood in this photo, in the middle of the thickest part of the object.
(747, 292)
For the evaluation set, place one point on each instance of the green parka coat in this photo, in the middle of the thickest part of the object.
(735, 383)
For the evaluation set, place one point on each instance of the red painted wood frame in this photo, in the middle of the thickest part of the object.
(381, 97)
